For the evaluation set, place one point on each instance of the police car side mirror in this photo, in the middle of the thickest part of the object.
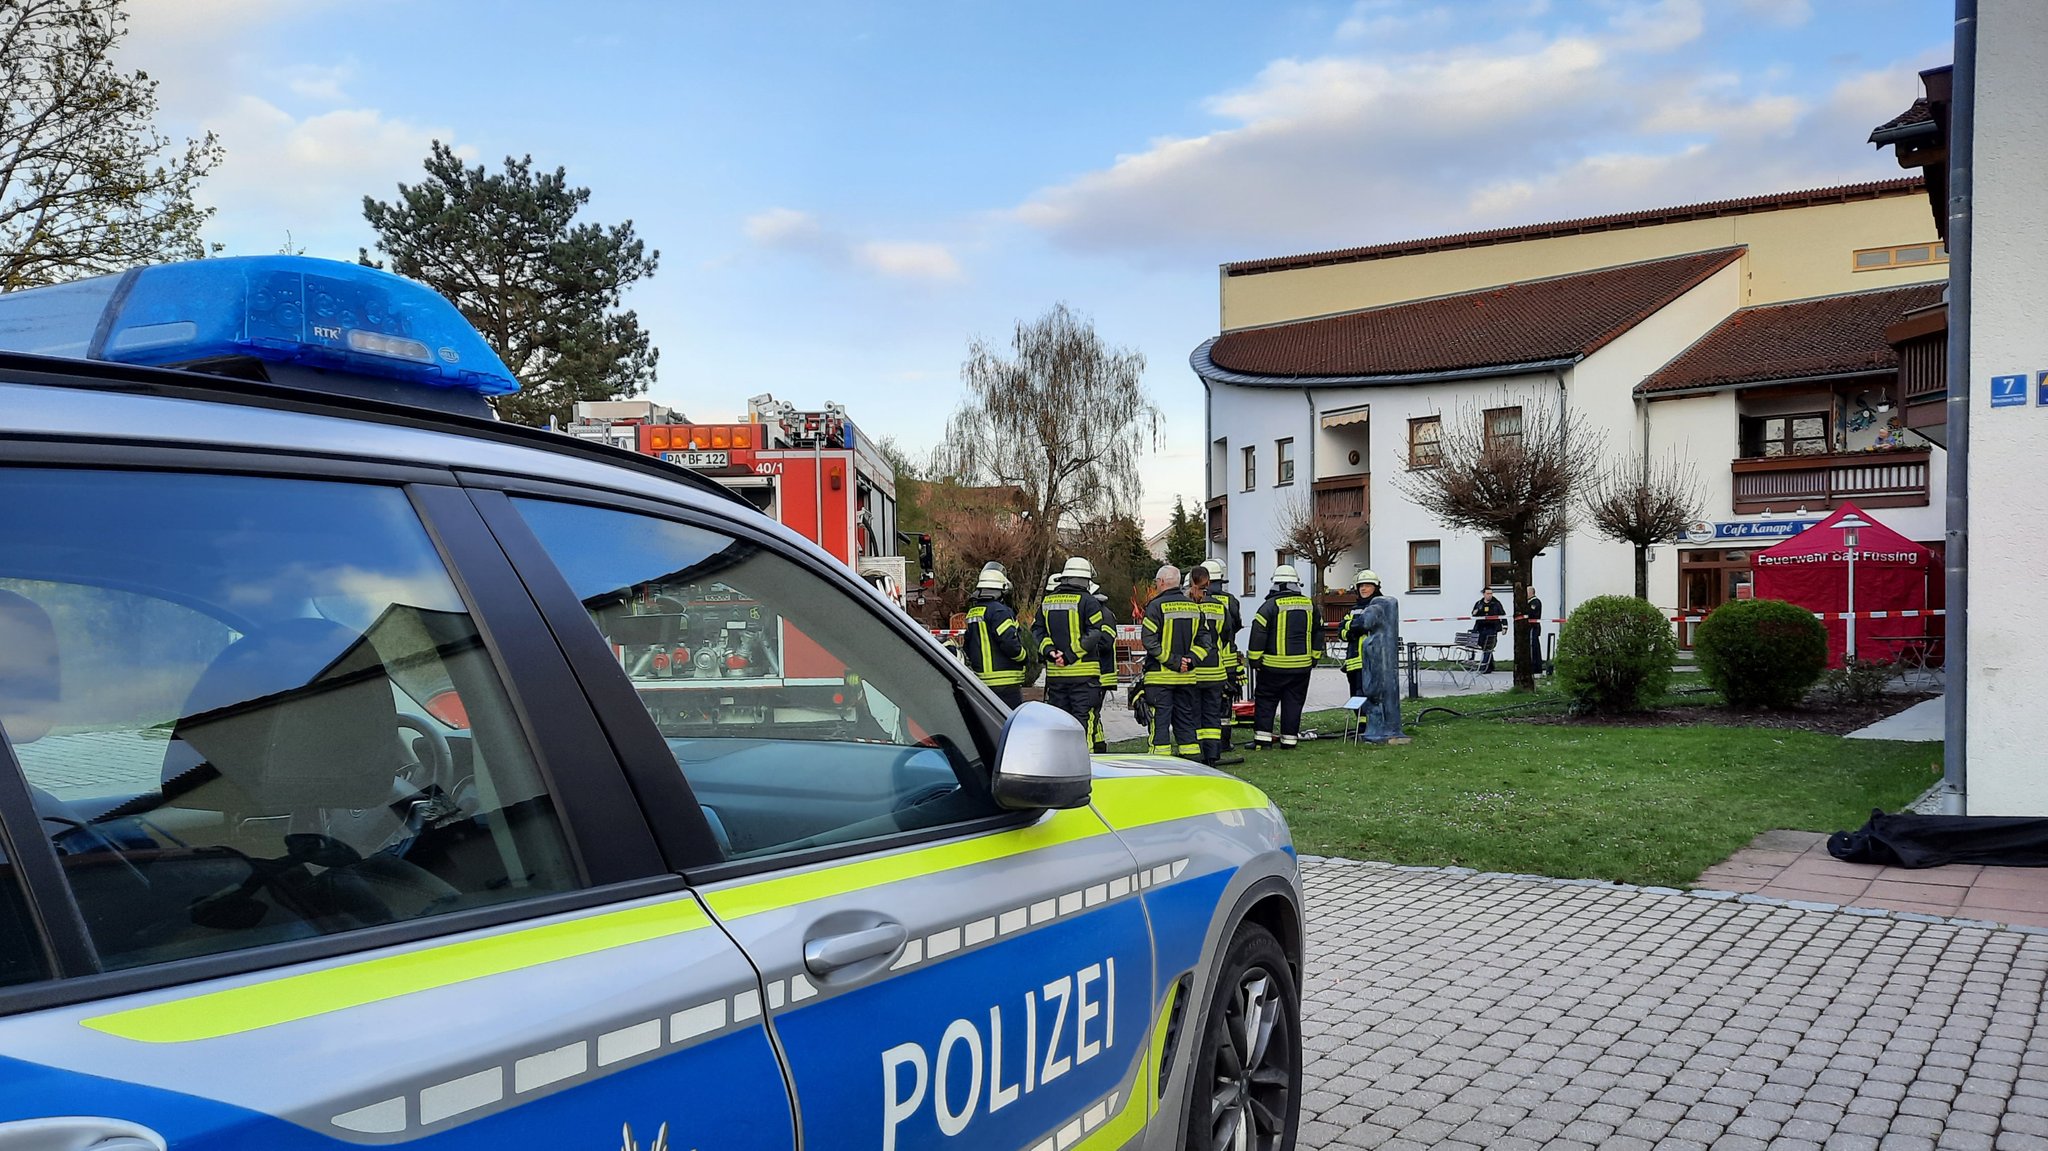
(1042, 760)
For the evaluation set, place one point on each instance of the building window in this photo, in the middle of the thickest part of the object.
(1283, 454)
(1425, 441)
(1425, 565)
(1251, 468)
(1250, 568)
(1899, 256)
(1500, 569)
(1503, 426)
(1798, 434)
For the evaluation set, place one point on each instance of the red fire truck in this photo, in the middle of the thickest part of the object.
(809, 470)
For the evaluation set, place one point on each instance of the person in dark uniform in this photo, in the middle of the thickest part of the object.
(993, 646)
(1068, 634)
(1488, 617)
(1175, 631)
(1287, 633)
(1208, 671)
(1224, 610)
(1530, 629)
(1106, 656)
(1367, 585)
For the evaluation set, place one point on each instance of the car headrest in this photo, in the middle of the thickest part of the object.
(298, 715)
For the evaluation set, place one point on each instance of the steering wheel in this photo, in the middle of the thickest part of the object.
(439, 768)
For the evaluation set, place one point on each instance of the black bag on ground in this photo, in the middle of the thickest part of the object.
(1908, 840)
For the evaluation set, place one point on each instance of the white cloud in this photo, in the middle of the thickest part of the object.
(1374, 20)
(782, 226)
(910, 259)
(1351, 149)
(1784, 13)
(791, 229)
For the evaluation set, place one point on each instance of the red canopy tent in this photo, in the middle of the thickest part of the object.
(1811, 569)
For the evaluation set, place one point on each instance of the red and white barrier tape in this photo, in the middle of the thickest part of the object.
(1836, 616)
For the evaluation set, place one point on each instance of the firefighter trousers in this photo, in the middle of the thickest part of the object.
(1075, 695)
(1176, 709)
(1011, 694)
(1209, 720)
(1283, 690)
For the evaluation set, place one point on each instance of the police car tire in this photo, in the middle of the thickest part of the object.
(1254, 956)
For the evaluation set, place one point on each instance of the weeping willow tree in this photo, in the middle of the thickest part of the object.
(1059, 415)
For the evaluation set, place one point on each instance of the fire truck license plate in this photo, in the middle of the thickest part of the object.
(699, 459)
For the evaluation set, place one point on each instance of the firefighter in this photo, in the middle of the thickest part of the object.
(1223, 609)
(1177, 635)
(994, 645)
(1287, 633)
(1107, 657)
(1367, 585)
(1068, 633)
(1208, 671)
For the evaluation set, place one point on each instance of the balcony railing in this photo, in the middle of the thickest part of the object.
(1219, 520)
(1872, 479)
(1345, 496)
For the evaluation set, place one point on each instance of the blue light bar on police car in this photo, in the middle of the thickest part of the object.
(279, 309)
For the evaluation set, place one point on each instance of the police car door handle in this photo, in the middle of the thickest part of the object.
(833, 952)
(78, 1133)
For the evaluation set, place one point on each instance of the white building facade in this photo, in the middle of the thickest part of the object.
(1784, 408)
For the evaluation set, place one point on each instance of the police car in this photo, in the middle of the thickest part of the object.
(376, 773)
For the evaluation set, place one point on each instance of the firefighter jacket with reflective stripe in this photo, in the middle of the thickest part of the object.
(1211, 668)
(1176, 630)
(1107, 658)
(1286, 633)
(1226, 632)
(994, 646)
(1071, 622)
(1354, 635)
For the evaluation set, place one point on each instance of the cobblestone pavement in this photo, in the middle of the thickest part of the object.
(1453, 1010)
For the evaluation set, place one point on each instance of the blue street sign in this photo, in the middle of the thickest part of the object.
(2008, 391)
(2041, 388)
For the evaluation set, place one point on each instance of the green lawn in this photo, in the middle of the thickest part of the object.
(1633, 805)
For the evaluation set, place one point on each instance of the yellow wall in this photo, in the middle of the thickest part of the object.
(1794, 253)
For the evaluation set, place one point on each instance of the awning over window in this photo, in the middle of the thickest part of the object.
(1346, 417)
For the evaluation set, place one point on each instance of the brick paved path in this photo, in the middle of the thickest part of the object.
(1453, 1010)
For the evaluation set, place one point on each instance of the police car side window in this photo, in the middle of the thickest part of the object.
(21, 956)
(798, 717)
(252, 710)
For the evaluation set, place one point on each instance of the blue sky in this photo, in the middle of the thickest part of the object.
(844, 193)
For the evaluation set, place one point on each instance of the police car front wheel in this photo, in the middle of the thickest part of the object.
(1246, 1090)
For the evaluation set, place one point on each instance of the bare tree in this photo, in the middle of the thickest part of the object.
(1063, 417)
(87, 184)
(1318, 538)
(1636, 501)
(1509, 472)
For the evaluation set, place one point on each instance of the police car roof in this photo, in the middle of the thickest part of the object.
(43, 396)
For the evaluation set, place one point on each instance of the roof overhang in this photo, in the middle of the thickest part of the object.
(1749, 385)
(1208, 370)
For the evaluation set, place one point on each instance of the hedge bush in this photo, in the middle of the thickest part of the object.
(1614, 654)
(1761, 652)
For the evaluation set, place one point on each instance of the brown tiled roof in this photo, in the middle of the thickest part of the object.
(1829, 336)
(1559, 318)
(1920, 113)
(1776, 201)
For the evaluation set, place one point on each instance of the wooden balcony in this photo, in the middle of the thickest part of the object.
(1921, 341)
(1870, 479)
(1219, 520)
(1346, 496)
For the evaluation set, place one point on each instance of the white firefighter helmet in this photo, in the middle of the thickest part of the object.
(1078, 568)
(1285, 574)
(1366, 576)
(992, 579)
(1218, 573)
(1052, 582)
(1095, 589)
